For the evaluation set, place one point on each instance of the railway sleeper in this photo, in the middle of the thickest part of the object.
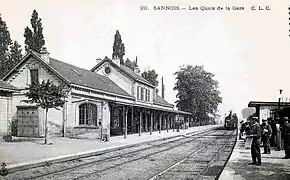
(174, 175)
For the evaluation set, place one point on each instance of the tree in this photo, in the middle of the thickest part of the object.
(46, 95)
(130, 64)
(5, 42)
(151, 76)
(118, 48)
(34, 40)
(15, 53)
(197, 91)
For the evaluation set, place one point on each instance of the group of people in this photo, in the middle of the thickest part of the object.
(255, 133)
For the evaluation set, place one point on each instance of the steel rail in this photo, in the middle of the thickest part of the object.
(112, 158)
(213, 159)
(189, 156)
(172, 166)
(136, 159)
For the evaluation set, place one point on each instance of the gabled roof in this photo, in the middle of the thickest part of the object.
(37, 57)
(83, 77)
(77, 76)
(7, 87)
(129, 72)
(136, 76)
(160, 101)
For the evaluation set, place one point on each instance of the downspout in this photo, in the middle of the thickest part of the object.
(101, 123)
(64, 119)
(7, 115)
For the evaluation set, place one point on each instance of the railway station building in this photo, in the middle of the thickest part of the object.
(265, 110)
(6, 91)
(110, 99)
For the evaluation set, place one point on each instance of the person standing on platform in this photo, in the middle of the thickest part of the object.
(278, 136)
(248, 139)
(255, 147)
(286, 130)
(272, 123)
(242, 129)
(247, 128)
(266, 134)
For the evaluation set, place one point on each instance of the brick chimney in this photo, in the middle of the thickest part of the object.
(98, 60)
(162, 88)
(136, 68)
(44, 54)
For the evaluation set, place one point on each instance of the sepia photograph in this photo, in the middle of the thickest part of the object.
(144, 90)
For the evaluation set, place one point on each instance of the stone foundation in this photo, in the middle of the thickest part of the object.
(85, 132)
(54, 129)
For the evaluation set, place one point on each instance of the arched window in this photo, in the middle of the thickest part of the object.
(88, 114)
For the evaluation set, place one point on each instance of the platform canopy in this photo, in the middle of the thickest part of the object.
(261, 103)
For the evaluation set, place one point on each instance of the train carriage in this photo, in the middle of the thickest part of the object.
(231, 121)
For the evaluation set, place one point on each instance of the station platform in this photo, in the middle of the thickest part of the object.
(273, 166)
(24, 153)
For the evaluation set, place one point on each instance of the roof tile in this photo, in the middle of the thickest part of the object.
(134, 75)
(83, 77)
(160, 100)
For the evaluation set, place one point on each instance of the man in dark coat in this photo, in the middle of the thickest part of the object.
(266, 134)
(272, 123)
(242, 129)
(255, 147)
(286, 130)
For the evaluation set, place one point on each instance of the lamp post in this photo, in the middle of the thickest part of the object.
(101, 120)
(279, 104)
(279, 100)
(278, 140)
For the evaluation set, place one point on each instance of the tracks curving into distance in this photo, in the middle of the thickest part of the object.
(95, 173)
(200, 166)
(155, 148)
(150, 146)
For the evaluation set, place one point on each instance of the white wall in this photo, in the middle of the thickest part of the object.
(106, 118)
(103, 112)
(5, 114)
(21, 80)
(117, 77)
(265, 112)
(126, 83)
(147, 87)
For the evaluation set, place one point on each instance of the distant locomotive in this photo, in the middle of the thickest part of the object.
(231, 121)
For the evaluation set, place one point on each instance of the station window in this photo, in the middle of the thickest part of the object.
(34, 76)
(142, 93)
(107, 70)
(138, 92)
(148, 95)
(88, 114)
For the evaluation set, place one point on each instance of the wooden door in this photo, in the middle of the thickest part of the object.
(28, 121)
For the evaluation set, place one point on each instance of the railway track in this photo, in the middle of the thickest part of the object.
(194, 167)
(148, 149)
(97, 173)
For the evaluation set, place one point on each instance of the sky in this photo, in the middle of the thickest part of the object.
(248, 51)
